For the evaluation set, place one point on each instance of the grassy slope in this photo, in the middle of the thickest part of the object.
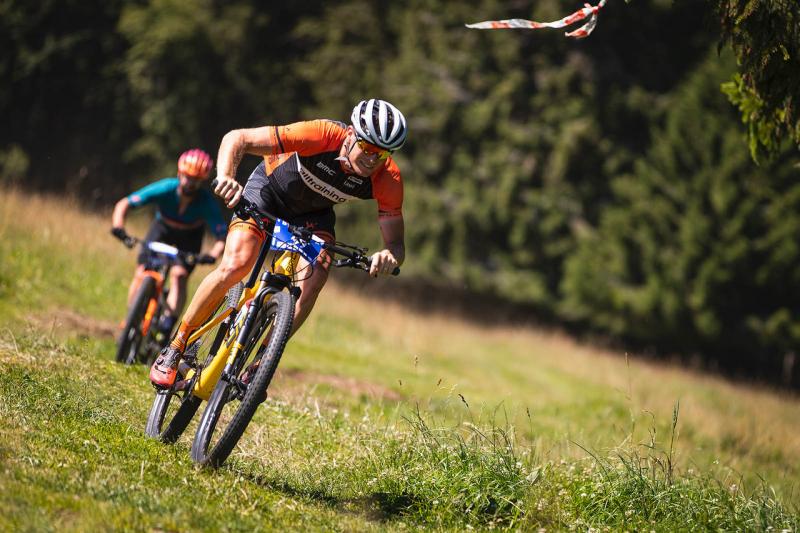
(340, 445)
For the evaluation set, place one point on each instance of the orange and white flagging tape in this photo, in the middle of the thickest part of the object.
(586, 11)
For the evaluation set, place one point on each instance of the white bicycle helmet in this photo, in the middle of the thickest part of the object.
(380, 123)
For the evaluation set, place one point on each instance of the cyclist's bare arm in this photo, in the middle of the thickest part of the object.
(235, 144)
(118, 215)
(386, 260)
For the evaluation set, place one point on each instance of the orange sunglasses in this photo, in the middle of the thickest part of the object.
(372, 150)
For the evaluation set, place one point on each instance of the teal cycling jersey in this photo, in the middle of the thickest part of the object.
(202, 209)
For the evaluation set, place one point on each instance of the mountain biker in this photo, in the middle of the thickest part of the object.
(308, 168)
(184, 209)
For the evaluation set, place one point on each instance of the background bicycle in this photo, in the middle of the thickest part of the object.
(230, 361)
(139, 340)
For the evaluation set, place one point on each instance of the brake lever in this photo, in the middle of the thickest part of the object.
(245, 210)
(360, 262)
(350, 262)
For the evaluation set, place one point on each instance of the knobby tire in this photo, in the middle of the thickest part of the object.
(131, 337)
(177, 424)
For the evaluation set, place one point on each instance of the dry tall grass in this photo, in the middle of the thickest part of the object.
(714, 407)
(60, 221)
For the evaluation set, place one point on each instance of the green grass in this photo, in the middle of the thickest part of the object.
(74, 457)
(380, 420)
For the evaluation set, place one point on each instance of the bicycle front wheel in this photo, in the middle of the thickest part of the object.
(131, 337)
(233, 402)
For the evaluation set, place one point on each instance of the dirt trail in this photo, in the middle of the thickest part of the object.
(63, 321)
(286, 380)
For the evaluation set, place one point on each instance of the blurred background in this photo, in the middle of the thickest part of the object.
(603, 186)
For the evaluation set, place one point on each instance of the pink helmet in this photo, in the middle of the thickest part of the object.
(195, 163)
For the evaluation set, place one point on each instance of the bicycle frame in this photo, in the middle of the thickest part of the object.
(272, 280)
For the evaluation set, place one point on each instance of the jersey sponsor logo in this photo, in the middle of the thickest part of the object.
(326, 168)
(321, 187)
(353, 181)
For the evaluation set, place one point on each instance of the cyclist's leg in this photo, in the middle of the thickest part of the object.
(175, 300)
(310, 288)
(177, 290)
(241, 252)
(155, 232)
(188, 240)
(322, 223)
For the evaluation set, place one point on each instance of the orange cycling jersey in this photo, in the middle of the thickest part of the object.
(305, 171)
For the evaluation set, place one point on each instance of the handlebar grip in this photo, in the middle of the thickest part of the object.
(395, 272)
(242, 206)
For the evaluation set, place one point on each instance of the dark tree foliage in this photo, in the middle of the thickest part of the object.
(199, 68)
(765, 36)
(697, 248)
(106, 94)
(64, 101)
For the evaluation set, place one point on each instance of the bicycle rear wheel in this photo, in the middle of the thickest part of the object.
(170, 414)
(225, 419)
(130, 339)
(173, 409)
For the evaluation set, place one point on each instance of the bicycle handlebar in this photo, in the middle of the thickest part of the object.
(354, 257)
(190, 258)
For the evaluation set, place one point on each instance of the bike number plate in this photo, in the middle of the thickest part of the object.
(282, 239)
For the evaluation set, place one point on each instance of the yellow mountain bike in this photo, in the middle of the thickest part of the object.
(248, 331)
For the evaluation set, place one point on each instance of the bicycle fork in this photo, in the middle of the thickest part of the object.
(240, 332)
